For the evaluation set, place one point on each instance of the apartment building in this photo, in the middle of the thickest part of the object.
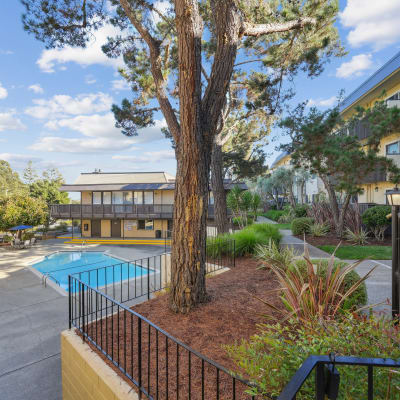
(124, 204)
(384, 84)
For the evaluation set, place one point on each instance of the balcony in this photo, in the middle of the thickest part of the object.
(116, 211)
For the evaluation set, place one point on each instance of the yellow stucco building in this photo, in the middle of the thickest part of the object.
(124, 204)
(384, 84)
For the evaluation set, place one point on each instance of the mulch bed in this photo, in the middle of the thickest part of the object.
(231, 314)
(334, 241)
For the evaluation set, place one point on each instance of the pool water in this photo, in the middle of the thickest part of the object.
(88, 266)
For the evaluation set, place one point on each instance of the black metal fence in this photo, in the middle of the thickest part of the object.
(159, 365)
(327, 377)
(137, 280)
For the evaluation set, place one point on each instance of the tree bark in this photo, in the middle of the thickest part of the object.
(193, 150)
(217, 187)
(334, 206)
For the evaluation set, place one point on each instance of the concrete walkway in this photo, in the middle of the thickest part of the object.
(288, 240)
(379, 288)
(31, 319)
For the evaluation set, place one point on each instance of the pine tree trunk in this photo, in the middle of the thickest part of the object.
(217, 187)
(334, 206)
(193, 150)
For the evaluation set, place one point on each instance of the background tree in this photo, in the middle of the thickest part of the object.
(21, 209)
(46, 187)
(302, 175)
(326, 145)
(181, 64)
(10, 182)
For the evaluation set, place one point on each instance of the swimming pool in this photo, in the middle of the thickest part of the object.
(86, 264)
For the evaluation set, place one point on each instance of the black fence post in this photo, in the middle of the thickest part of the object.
(69, 302)
(319, 382)
(148, 278)
(82, 294)
(140, 356)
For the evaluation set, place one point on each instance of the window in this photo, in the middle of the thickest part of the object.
(106, 197)
(138, 197)
(85, 227)
(96, 198)
(117, 198)
(148, 198)
(145, 224)
(211, 198)
(393, 148)
(128, 199)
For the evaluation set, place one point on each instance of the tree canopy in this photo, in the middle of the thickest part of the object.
(326, 145)
(181, 62)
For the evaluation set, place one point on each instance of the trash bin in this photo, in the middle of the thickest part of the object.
(158, 234)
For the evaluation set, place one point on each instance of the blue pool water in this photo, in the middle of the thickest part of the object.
(88, 266)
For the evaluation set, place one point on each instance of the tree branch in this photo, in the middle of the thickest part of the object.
(156, 69)
(265, 29)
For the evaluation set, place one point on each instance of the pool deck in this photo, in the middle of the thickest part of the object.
(32, 317)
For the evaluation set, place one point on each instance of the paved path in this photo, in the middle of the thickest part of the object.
(379, 286)
(295, 243)
(31, 319)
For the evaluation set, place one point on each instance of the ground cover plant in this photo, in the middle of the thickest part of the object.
(281, 349)
(359, 252)
(273, 214)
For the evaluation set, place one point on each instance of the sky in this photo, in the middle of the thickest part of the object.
(55, 104)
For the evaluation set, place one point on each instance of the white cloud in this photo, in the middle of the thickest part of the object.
(3, 92)
(329, 102)
(357, 66)
(119, 84)
(148, 156)
(18, 160)
(80, 145)
(6, 52)
(36, 88)
(8, 121)
(103, 126)
(372, 22)
(91, 54)
(61, 105)
(90, 79)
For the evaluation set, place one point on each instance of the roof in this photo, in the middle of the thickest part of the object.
(375, 79)
(99, 178)
(279, 158)
(79, 186)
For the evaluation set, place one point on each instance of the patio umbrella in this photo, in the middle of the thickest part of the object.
(20, 227)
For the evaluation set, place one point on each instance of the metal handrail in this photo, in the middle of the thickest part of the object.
(291, 389)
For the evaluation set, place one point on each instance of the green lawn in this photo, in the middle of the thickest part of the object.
(283, 226)
(360, 252)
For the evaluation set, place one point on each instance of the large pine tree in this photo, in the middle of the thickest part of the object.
(183, 66)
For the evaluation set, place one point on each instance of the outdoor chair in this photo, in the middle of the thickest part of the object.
(33, 241)
(16, 244)
(26, 244)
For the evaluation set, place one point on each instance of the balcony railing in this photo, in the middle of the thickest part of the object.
(116, 211)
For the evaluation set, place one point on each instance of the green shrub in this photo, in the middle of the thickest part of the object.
(239, 220)
(301, 225)
(319, 230)
(357, 299)
(7, 238)
(218, 245)
(281, 350)
(301, 210)
(375, 219)
(248, 238)
(274, 214)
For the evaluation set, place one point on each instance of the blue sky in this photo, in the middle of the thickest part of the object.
(53, 102)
